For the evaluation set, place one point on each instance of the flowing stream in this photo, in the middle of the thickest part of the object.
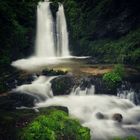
(52, 41)
(94, 111)
(45, 31)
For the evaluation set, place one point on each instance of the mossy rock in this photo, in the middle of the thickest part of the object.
(62, 85)
(13, 121)
(55, 126)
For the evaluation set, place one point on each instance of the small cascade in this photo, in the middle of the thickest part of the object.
(127, 92)
(96, 112)
(86, 91)
(40, 88)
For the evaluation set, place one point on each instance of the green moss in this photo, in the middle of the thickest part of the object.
(55, 126)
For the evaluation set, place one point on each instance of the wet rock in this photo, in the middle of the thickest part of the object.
(13, 100)
(52, 72)
(99, 115)
(17, 80)
(62, 85)
(85, 83)
(117, 117)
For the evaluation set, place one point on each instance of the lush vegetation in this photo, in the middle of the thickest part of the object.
(114, 77)
(55, 126)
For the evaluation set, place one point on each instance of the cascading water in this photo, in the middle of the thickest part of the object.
(45, 31)
(62, 33)
(45, 39)
(94, 111)
(40, 88)
(126, 91)
(86, 91)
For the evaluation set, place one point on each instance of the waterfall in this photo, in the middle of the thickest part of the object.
(62, 33)
(45, 38)
(45, 31)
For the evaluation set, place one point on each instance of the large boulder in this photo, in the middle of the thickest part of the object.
(13, 100)
(117, 117)
(63, 85)
(100, 85)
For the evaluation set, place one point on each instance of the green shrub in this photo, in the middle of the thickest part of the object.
(55, 126)
(114, 77)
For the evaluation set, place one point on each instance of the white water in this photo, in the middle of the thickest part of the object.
(40, 88)
(62, 33)
(48, 50)
(45, 39)
(85, 105)
(39, 63)
(127, 92)
(45, 31)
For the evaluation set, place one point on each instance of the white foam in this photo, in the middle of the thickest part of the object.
(85, 108)
(36, 63)
(41, 87)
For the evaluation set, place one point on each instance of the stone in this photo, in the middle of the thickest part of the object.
(117, 117)
(99, 115)
(62, 85)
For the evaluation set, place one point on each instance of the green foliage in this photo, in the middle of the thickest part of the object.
(128, 138)
(17, 23)
(114, 77)
(55, 126)
(62, 85)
